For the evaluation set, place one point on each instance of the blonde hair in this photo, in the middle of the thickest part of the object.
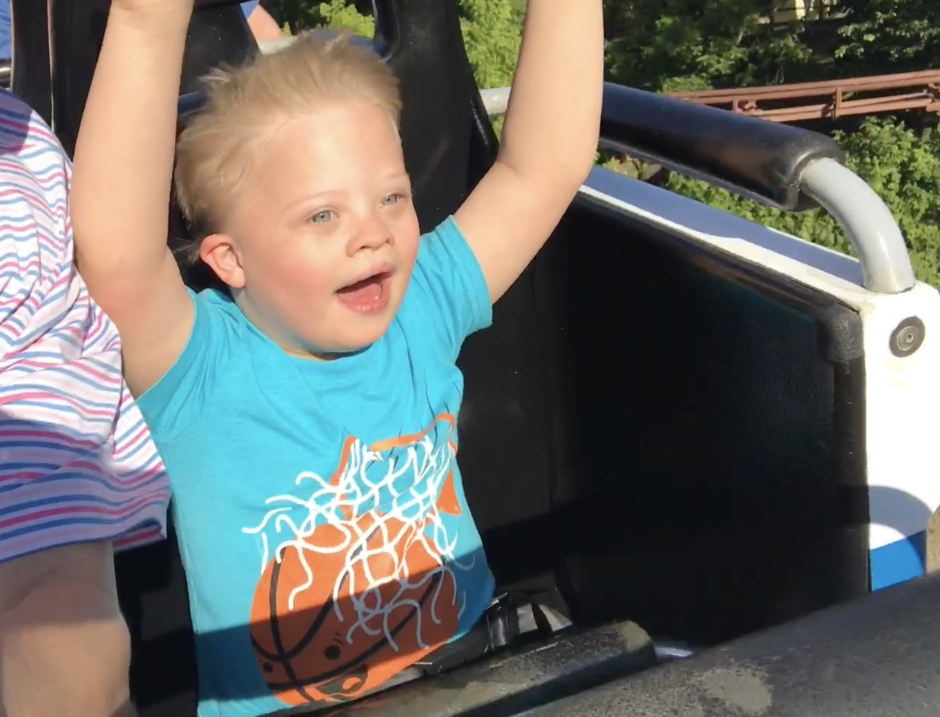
(215, 149)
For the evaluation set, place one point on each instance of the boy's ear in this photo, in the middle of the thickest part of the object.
(218, 251)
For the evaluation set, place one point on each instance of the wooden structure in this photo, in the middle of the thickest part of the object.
(787, 11)
(918, 91)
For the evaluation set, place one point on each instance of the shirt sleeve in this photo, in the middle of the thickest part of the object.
(248, 8)
(456, 299)
(5, 27)
(177, 400)
(77, 463)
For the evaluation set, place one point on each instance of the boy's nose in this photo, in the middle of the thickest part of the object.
(372, 233)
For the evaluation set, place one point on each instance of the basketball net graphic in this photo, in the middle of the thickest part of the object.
(370, 544)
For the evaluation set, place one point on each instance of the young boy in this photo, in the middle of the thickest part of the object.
(308, 416)
(79, 474)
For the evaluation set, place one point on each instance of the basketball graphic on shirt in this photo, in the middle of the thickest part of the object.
(365, 585)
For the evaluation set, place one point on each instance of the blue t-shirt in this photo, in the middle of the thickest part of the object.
(249, 7)
(6, 50)
(321, 502)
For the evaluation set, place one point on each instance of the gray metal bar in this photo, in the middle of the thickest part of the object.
(268, 47)
(495, 100)
(867, 221)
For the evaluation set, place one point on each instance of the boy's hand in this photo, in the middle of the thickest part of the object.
(549, 139)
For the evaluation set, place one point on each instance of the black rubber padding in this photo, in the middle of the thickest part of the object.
(745, 154)
(874, 657)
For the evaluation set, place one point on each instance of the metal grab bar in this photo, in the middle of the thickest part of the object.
(778, 165)
(866, 220)
(496, 100)
(268, 47)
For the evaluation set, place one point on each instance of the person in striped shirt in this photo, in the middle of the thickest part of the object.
(79, 473)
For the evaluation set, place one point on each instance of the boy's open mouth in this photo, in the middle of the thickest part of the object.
(367, 296)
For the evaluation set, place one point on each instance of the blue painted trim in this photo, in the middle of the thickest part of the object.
(898, 562)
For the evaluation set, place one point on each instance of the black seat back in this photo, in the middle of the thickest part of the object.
(32, 79)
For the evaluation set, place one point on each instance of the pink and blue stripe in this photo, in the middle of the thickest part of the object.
(77, 462)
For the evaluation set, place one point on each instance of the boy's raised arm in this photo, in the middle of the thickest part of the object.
(121, 185)
(549, 139)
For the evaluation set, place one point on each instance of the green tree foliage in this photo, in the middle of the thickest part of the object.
(303, 14)
(295, 14)
(492, 35)
(881, 36)
(492, 30)
(675, 45)
(681, 45)
(338, 14)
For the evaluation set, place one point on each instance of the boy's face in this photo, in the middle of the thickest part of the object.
(324, 236)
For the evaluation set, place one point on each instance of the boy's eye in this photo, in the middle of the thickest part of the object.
(390, 199)
(322, 217)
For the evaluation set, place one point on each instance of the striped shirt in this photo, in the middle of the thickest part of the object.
(77, 463)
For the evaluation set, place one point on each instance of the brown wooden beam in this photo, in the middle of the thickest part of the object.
(923, 95)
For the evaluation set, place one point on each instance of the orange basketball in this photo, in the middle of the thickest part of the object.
(330, 624)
